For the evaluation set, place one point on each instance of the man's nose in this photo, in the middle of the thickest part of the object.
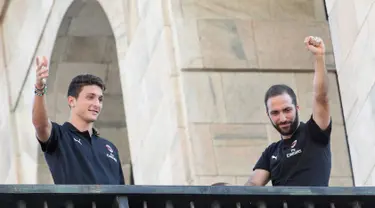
(282, 117)
(97, 103)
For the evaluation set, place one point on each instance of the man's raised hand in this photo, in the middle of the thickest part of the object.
(41, 71)
(315, 45)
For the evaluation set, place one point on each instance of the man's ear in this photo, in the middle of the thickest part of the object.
(297, 107)
(71, 101)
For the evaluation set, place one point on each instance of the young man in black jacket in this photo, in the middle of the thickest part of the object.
(74, 151)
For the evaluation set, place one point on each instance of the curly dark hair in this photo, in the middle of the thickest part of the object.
(78, 82)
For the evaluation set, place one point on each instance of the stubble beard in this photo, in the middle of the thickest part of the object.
(293, 127)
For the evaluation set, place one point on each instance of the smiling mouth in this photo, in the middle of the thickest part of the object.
(284, 125)
(94, 111)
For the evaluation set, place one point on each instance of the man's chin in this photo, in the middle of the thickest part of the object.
(284, 133)
(91, 120)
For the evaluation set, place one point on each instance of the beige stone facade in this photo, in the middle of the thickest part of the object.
(186, 80)
(352, 27)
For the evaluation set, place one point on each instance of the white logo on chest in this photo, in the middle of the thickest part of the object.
(293, 144)
(110, 154)
(293, 152)
(77, 140)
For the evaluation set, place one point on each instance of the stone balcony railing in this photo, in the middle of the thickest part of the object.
(184, 196)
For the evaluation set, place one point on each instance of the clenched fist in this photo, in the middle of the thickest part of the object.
(41, 71)
(315, 45)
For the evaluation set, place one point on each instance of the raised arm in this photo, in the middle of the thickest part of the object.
(40, 119)
(321, 111)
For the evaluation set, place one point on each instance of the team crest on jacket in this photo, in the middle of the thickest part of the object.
(110, 154)
(109, 148)
(293, 144)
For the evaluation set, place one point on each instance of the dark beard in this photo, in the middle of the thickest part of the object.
(292, 129)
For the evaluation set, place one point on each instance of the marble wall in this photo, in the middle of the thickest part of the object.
(247, 34)
(352, 28)
(152, 98)
(192, 76)
(8, 152)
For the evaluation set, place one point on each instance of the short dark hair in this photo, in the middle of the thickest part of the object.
(78, 82)
(280, 89)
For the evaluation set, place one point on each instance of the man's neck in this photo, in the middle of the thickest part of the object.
(81, 125)
(286, 137)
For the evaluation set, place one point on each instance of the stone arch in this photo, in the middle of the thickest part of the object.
(86, 43)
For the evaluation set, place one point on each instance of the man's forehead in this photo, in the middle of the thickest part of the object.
(93, 93)
(92, 90)
(280, 108)
(283, 98)
(280, 102)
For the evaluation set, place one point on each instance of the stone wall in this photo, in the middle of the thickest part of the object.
(8, 140)
(152, 100)
(353, 32)
(192, 76)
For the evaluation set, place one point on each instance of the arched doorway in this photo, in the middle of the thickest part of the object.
(85, 44)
